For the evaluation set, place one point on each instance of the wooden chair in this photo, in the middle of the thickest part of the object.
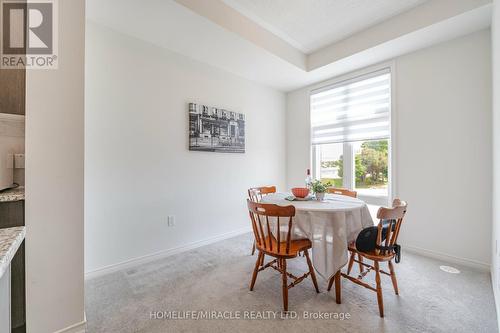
(281, 249)
(353, 194)
(390, 220)
(255, 194)
(342, 191)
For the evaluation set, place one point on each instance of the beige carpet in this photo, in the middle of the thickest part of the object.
(216, 277)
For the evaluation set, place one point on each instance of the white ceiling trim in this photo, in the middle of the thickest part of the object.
(425, 15)
(311, 25)
(232, 20)
(265, 25)
(250, 27)
(172, 26)
(455, 27)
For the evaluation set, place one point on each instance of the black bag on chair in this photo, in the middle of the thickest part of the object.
(367, 240)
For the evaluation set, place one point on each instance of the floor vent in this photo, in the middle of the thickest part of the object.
(449, 269)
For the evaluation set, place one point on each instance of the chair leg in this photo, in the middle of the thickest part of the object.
(393, 278)
(253, 248)
(351, 262)
(330, 283)
(256, 270)
(311, 271)
(262, 259)
(338, 297)
(285, 285)
(361, 267)
(380, 299)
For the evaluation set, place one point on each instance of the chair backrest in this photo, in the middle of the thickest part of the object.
(342, 191)
(256, 193)
(390, 220)
(260, 214)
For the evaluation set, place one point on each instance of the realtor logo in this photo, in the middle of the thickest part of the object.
(29, 34)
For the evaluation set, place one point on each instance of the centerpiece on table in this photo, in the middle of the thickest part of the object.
(300, 194)
(319, 189)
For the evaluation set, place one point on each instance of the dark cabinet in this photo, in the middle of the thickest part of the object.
(12, 91)
(12, 215)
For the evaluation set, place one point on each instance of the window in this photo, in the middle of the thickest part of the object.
(371, 167)
(331, 166)
(350, 127)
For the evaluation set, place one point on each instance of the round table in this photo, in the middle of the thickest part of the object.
(330, 225)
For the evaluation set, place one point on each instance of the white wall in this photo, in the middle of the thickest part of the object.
(138, 169)
(444, 136)
(54, 182)
(496, 152)
(443, 161)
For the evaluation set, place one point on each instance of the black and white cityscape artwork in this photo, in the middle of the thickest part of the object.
(216, 130)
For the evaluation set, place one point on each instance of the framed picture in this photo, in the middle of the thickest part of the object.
(216, 130)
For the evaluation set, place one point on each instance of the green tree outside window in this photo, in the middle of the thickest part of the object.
(371, 166)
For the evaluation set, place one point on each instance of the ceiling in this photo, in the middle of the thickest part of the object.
(310, 25)
(214, 33)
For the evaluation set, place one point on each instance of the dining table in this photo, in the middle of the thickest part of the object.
(330, 224)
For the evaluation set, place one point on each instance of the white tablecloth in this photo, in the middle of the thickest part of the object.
(329, 224)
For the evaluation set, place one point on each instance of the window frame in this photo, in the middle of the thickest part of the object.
(349, 182)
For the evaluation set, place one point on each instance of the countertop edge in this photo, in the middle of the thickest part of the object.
(12, 195)
(6, 259)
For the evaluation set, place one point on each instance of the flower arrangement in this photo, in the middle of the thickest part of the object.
(319, 189)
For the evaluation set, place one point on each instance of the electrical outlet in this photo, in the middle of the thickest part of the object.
(19, 161)
(171, 221)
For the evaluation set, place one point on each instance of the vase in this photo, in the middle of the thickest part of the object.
(320, 196)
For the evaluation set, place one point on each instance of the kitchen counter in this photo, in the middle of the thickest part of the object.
(15, 194)
(10, 240)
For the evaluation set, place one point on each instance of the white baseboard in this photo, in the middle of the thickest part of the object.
(76, 328)
(474, 264)
(162, 254)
